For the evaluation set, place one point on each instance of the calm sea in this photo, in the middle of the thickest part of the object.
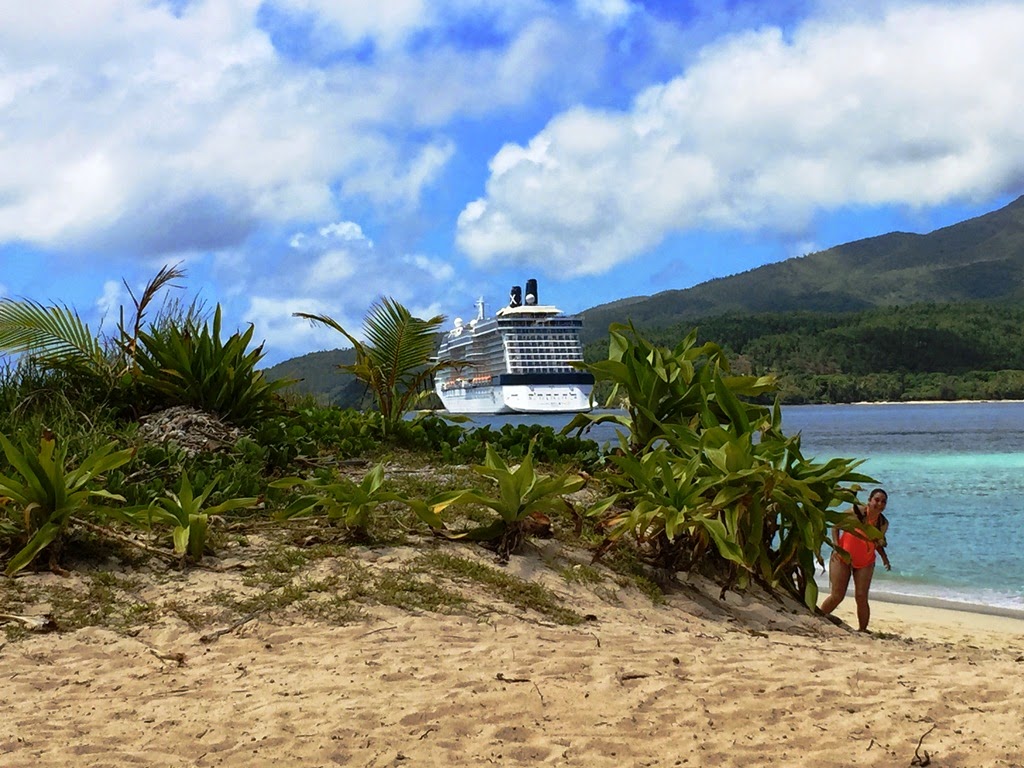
(955, 477)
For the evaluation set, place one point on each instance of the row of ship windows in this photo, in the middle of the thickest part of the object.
(548, 349)
(556, 337)
(532, 370)
(547, 324)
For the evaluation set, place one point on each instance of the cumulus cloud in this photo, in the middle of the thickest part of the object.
(282, 331)
(386, 24)
(608, 10)
(764, 131)
(145, 128)
(336, 270)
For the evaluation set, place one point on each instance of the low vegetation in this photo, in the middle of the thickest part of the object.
(704, 480)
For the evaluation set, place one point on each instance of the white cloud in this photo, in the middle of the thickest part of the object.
(275, 322)
(609, 10)
(440, 270)
(127, 127)
(331, 268)
(387, 24)
(113, 297)
(336, 270)
(344, 230)
(915, 106)
(401, 181)
(133, 127)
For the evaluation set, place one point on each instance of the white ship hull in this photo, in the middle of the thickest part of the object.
(518, 398)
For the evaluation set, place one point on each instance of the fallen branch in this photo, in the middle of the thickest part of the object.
(537, 689)
(501, 676)
(44, 623)
(177, 657)
(209, 637)
(632, 676)
(99, 529)
(388, 628)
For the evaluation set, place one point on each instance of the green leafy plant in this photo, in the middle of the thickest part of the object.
(658, 386)
(55, 336)
(352, 504)
(761, 507)
(522, 493)
(708, 480)
(395, 362)
(189, 365)
(47, 495)
(514, 441)
(185, 512)
(343, 501)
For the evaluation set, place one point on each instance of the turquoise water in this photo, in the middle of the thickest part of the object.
(955, 477)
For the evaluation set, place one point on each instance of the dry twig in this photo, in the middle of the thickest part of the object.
(918, 759)
(209, 637)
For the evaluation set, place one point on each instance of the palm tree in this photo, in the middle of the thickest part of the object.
(397, 360)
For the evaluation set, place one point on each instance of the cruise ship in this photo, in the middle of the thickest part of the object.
(520, 360)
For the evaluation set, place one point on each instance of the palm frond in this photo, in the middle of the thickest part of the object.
(400, 343)
(330, 323)
(53, 334)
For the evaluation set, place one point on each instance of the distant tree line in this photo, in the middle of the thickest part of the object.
(968, 351)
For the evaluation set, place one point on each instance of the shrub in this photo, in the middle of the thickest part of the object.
(709, 481)
(188, 365)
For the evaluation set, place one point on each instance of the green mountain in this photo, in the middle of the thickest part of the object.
(981, 259)
(317, 374)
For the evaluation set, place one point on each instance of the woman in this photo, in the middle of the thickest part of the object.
(861, 564)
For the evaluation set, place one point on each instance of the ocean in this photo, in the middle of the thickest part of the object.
(955, 477)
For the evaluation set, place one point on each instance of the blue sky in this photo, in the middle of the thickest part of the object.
(316, 155)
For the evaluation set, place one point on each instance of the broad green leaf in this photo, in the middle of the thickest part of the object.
(46, 534)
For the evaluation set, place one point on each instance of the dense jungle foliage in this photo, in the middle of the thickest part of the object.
(970, 351)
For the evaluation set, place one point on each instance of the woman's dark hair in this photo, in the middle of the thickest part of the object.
(858, 508)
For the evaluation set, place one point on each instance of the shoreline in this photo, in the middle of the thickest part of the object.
(917, 402)
(938, 620)
(952, 606)
(934, 618)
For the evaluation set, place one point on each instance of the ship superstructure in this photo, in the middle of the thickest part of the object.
(519, 360)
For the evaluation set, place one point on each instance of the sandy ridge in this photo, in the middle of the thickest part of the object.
(693, 682)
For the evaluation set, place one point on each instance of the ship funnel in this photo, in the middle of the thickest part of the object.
(531, 292)
(515, 296)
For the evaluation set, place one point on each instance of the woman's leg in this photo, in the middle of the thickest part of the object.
(839, 579)
(861, 585)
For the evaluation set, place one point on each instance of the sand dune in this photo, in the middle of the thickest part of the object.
(693, 682)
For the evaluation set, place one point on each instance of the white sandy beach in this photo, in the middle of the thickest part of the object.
(693, 682)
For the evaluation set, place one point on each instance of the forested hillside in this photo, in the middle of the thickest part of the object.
(317, 374)
(919, 352)
(981, 259)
